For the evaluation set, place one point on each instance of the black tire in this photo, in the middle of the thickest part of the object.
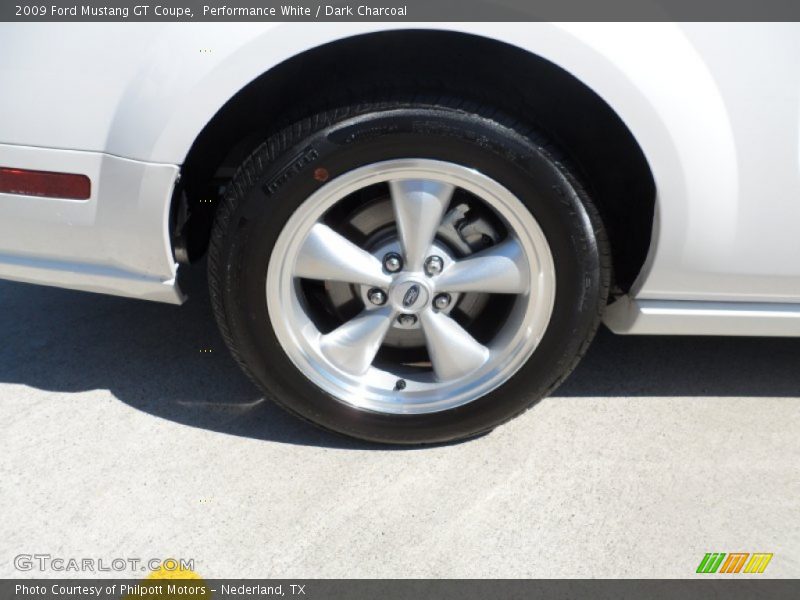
(250, 219)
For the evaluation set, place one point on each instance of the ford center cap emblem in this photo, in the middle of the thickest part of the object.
(411, 296)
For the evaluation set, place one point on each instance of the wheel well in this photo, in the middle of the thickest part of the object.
(608, 158)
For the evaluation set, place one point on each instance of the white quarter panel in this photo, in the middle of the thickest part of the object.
(114, 242)
(735, 236)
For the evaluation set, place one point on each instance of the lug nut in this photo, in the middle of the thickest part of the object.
(407, 320)
(441, 301)
(392, 262)
(376, 296)
(433, 265)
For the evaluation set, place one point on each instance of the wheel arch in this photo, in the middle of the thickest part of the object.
(517, 80)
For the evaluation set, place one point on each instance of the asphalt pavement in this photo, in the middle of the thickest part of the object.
(128, 432)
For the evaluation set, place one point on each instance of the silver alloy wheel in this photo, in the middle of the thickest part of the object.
(343, 361)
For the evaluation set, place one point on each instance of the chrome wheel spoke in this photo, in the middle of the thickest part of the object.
(352, 347)
(419, 205)
(326, 255)
(501, 269)
(428, 362)
(453, 351)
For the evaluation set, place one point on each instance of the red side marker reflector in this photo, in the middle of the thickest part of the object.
(44, 183)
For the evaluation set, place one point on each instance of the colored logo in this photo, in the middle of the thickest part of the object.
(719, 562)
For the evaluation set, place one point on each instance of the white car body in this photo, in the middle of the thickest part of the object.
(715, 109)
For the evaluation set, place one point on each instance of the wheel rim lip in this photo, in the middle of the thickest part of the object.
(509, 350)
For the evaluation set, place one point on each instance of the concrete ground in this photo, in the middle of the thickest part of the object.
(124, 437)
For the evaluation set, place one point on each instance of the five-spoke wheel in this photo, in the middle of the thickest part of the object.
(412, 277)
